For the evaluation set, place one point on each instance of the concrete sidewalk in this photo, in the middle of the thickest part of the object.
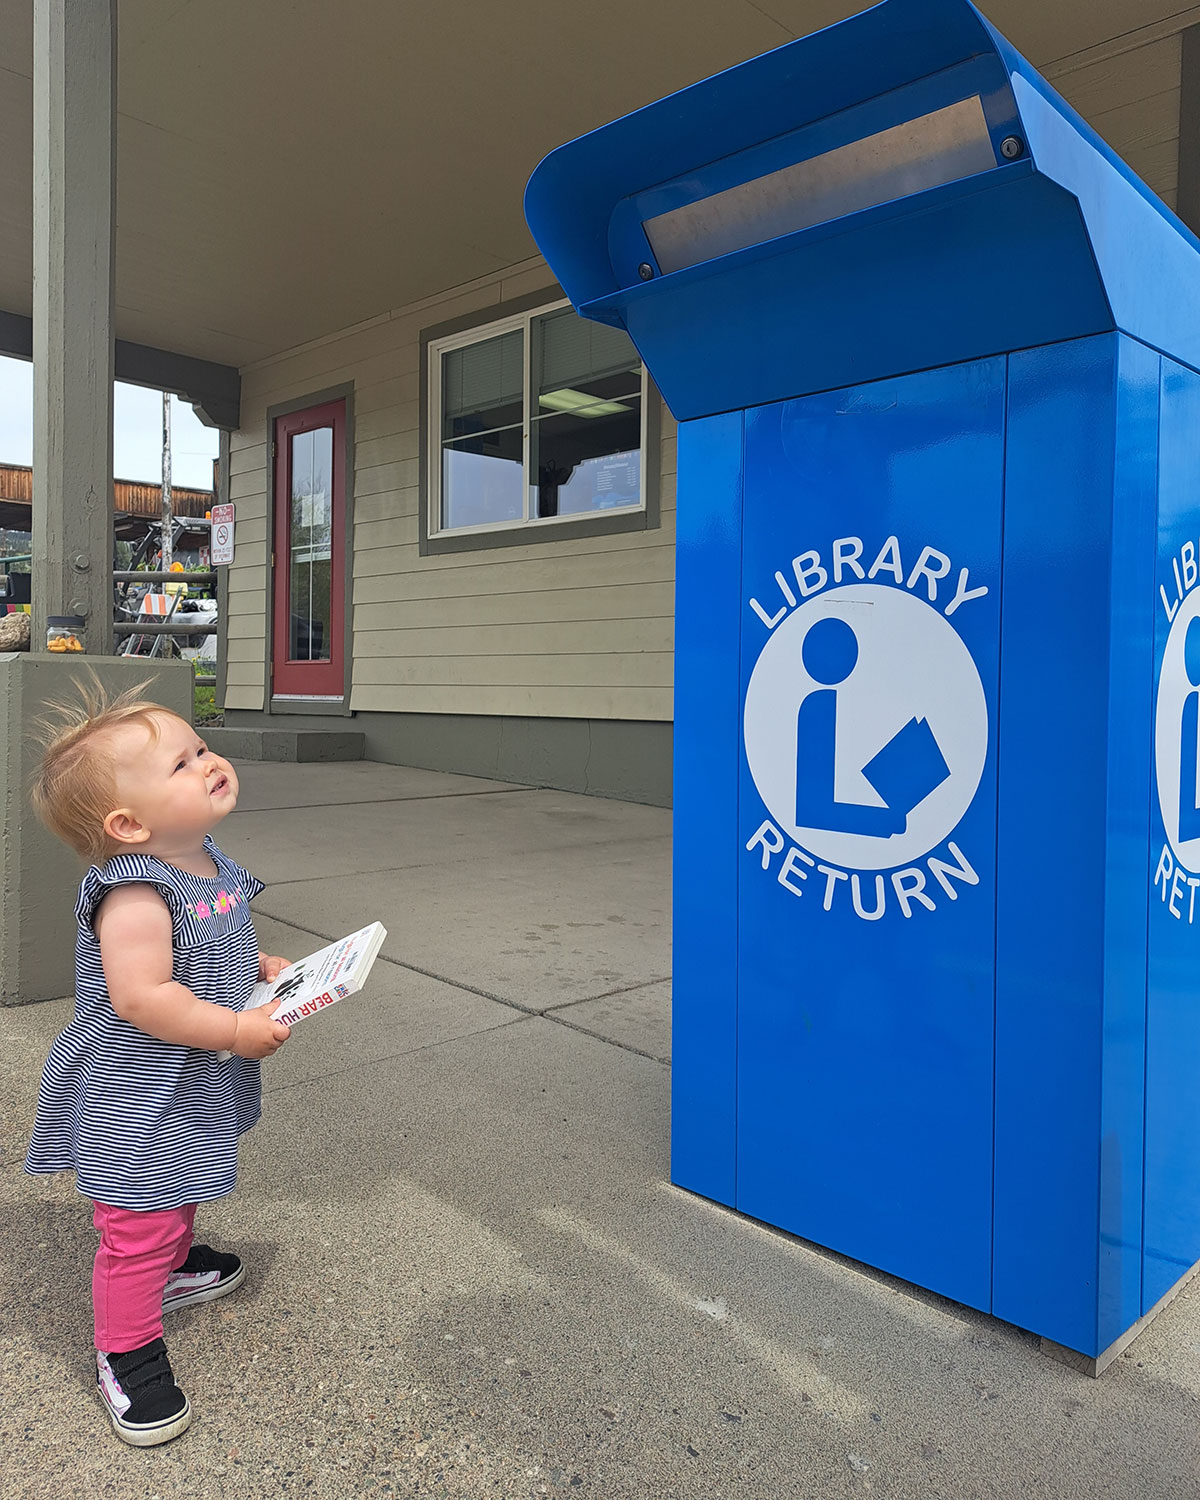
(469, 1276)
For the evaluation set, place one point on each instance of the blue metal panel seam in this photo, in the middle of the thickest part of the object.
(1171, 1204)
(999, 759)
(737, 813)
(705, 844)
(1116, 377)
(1150, 795)
(1050, 977)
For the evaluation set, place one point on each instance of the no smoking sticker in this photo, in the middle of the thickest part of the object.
(222, 535)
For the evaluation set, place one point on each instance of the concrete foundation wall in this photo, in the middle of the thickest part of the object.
(38, 875)
(620, 758)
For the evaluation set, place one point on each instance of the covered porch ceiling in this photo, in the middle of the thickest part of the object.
(291, 167)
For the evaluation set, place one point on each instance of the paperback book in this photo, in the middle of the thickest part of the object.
(322, 979)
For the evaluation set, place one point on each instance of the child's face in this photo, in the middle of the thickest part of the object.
(174, 786)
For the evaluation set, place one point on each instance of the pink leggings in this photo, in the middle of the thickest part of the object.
(138, 1251)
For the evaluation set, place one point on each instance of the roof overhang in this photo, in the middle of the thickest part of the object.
(290, 170)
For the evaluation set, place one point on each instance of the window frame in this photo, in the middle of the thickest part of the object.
(520, 313)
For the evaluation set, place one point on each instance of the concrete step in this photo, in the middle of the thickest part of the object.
(285, 744)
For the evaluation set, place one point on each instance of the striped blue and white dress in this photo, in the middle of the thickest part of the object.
(146, 1124)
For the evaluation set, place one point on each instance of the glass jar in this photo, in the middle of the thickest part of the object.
(66, 633)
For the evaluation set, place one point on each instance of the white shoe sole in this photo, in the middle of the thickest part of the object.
(150, 1434)
(207, 1293)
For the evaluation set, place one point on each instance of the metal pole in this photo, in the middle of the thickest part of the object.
(165, 627)
(141, 575)
(168, 520)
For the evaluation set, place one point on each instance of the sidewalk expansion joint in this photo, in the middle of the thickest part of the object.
(443, 863)
(529, 1011)
(399, 963)
(607, 1040)
(307, 807)
(386, 1057)
(624, 989)
(458, 984)
(550, 1013)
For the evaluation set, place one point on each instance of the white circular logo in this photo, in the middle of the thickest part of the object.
(866, 726)
(1177, 734)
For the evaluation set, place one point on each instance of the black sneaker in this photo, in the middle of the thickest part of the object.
(139, 1390)
(204, 1275)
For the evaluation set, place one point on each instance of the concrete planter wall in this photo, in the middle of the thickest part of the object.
(38, 875)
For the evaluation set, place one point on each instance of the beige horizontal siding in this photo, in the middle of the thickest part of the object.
(394, 531)
(244, 685)
(1093, 88)
(385, 505)
(252, 555)
(249, 528)
(247, 581)
(378, 402)
(587, 572)
(401, 446)
(526, 283)
(251, 458)
(517, 702)
(246, 577)
(516, 607)
(643, 669)
(607, 636)
(580, 627)
(251, 648)
(385, 350)
(248, 612)
(250, 484)
(543, 548)
(644, 564)
(253, 434)
(1131, 99)
(382, 479)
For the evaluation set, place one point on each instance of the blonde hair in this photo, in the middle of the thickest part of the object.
(75, 787)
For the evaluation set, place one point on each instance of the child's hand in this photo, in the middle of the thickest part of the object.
(269, 969)
(256, 1035)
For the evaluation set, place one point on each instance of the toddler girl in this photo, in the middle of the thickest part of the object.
(135, 1097)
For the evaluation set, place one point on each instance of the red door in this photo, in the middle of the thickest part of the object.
(309, 570)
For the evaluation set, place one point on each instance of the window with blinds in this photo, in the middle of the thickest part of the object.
(537, 418)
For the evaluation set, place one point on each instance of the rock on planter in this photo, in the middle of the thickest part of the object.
(14, 631)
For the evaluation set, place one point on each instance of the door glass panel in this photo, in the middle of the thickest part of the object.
(310, 633)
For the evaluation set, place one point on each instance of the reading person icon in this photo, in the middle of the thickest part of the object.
(865, 726)
(1189, 738)
(830, 654)
(907, 768)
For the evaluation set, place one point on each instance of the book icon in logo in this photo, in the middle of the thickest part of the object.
(908, 767)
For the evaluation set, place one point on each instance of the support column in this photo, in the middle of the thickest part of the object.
(74, 218)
